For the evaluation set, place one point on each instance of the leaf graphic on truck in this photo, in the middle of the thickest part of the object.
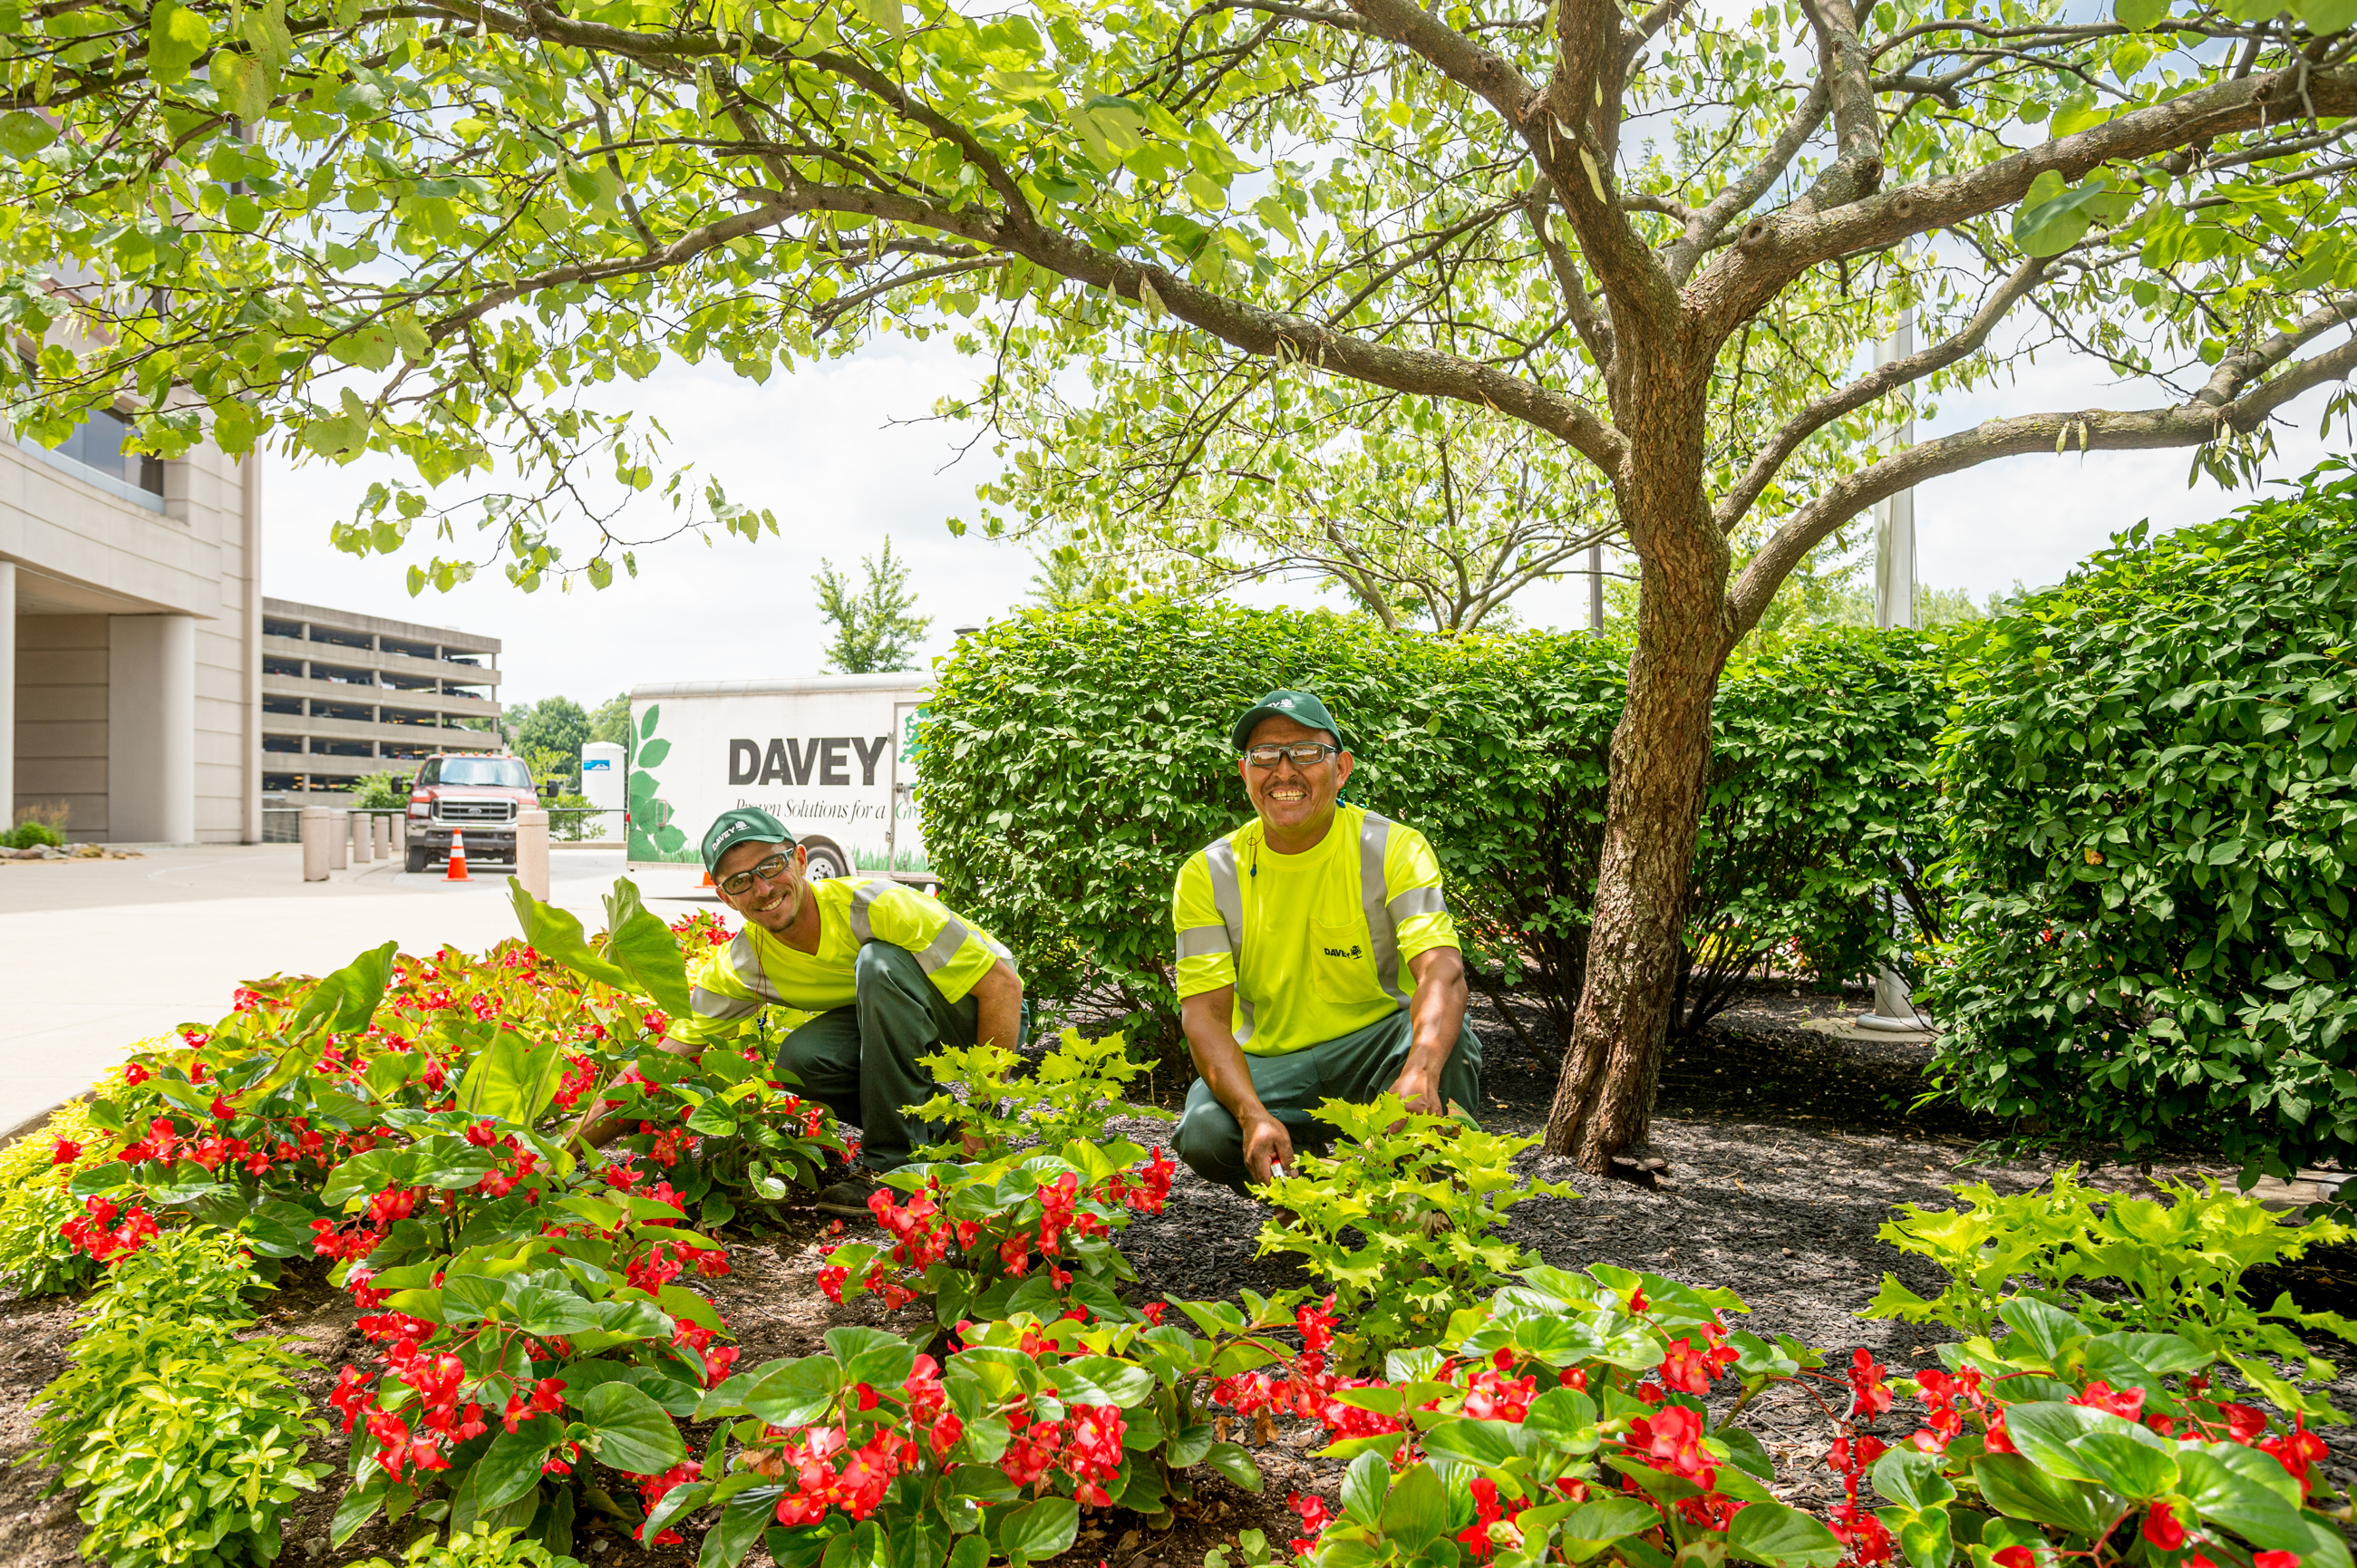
(652, 835)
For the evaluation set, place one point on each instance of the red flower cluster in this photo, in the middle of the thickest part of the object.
(66, 1152)
(95, 1232)
(1314, 1516)
(922, 1235)
(1307, 1389)
(1940, 1393)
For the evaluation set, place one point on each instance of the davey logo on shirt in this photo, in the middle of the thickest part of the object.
(1354, 951)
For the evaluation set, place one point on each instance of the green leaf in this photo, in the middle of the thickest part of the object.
(2325, 16)
(2014, 1486)
(1416, 1510)
(512, 1079)
(176, 38)
(797, 1393)
(23, 133)
(631, 1432)
(555, 933)
(2052, 219)
(510, 1468)
(2138, 15)
(1039, 1529)
(1781, 1536)
(1591, 1527)
(1912, 1479)
(1231, 1460)
(642, 947)
(871, 1356)
(346, 1000)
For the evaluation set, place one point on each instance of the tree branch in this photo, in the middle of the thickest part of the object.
(2188, 425)
(1845, 68)
(1773, 250)
(1706, 226)
(1877, 383)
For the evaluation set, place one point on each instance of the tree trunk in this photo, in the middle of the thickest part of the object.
(1661, 749)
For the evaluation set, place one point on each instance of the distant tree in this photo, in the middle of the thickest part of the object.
(555, 725)
(612, 721)
(382, 791)
(873, 628)
(1066, 579)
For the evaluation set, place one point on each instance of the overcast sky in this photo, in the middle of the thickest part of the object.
(822, 449)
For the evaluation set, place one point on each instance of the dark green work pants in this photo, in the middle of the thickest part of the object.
(861, 1061)
(1356, 1067)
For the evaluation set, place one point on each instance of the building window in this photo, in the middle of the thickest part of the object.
(340, 675)
(97, 443)
(407, 650)
(275, 666)
(358, 639)
(293, 743)
(406, 716)
(281, 783)
(345, 711)
(273, 626)
(480, 694)
(290, 707)
(342, 747)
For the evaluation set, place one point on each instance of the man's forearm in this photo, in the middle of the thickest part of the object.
(998, 1009)
(1221, 1061)
(1435, 1012)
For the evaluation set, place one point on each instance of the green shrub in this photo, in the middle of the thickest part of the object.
(1426, 1197)
(35, 1257)
(2151, 787)
(185, 1441)
(1820, 811)
(2172, 1267)
(1072, 761)
(25, 835)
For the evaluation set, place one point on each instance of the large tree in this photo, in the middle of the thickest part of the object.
(433, 228)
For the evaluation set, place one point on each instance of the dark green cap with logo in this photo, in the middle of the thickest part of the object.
(1302, 707)
(746, 824)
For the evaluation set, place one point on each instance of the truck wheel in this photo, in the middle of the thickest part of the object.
(825, 860)
(417, 858)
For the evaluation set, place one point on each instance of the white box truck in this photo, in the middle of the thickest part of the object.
(833, 757)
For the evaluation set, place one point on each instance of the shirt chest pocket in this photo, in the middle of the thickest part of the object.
(1341, 966)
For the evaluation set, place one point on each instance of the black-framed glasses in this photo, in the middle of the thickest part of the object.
(738, 884)
(1303, 754)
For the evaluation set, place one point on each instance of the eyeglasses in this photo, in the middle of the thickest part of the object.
(738, 884)
(1308, 754)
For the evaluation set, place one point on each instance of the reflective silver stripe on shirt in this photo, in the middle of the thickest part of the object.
(1374, 836)
(1201, 941)
(1228, 897)
(1417, 901)
(944, 945)
(746, 965)
(865, 893)
(712, 1005)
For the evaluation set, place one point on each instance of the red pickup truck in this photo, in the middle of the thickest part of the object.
(480, 795)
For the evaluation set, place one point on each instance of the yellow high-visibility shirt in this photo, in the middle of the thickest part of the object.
(756, 970)
(1315, 943)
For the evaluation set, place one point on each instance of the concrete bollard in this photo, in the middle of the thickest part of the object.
(339, 839)
(381, 829)
(318, 824)
(532, 852)
(363, 845)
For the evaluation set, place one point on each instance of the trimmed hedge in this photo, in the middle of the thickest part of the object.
(1072, 761)
(2151, 783)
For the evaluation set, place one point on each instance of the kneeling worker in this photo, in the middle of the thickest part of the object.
(891, 973)
(1294, 933)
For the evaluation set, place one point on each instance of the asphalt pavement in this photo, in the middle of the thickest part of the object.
(97, 956)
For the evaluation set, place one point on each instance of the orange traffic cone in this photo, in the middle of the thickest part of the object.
(457, 871)
(707, 879)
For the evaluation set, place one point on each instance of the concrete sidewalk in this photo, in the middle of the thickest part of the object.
(98, 956)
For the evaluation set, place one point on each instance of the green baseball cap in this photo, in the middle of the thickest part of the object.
(746, 824)
(1302, 707)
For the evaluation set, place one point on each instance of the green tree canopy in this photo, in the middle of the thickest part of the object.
(550, 732)
(873, 628)
(610, 720)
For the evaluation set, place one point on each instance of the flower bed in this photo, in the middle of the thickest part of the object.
(538, 1354)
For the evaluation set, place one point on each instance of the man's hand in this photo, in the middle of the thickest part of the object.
(1419, 1092)
(1266, 1142)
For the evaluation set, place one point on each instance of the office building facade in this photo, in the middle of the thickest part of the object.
(130, 633)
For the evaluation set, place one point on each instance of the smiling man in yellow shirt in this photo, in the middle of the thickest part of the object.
(1317, 958)
(891, 973)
